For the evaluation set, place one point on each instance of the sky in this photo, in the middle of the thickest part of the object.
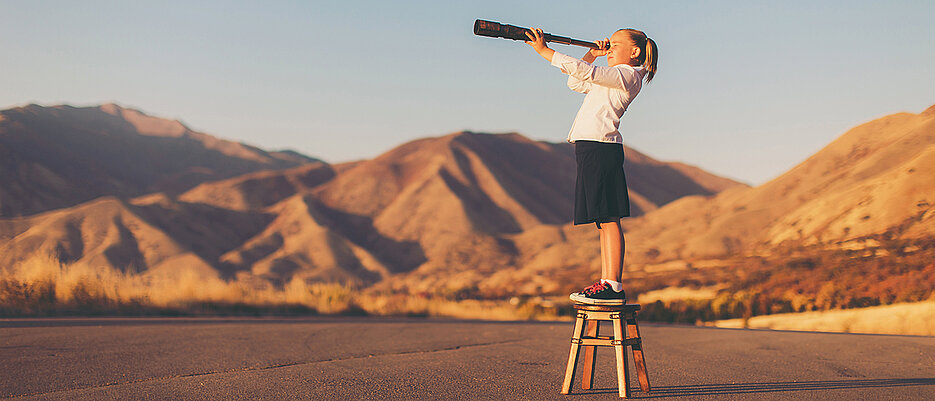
(745, 89)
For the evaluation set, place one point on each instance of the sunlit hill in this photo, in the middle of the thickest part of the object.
(109, 210)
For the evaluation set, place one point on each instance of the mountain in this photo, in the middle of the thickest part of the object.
(466, 215)
(505, 183)
(874, 182)
(461, 203)
(60, 156)
(260, 189)
(110, 234)
(875, 179)
(159, 238)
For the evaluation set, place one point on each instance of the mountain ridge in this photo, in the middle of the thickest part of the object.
(59, 156)
(824, 198)
(427, 205)
(484, 214)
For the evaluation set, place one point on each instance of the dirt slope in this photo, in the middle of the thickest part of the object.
(60, 156)
(875, 178)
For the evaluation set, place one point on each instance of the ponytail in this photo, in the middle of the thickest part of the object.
(652, 56)
(649, 53)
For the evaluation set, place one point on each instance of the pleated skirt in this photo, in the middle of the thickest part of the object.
(601, 187)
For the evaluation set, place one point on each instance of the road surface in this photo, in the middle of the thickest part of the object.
(323, 358)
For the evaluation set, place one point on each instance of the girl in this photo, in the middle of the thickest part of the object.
(601, 188)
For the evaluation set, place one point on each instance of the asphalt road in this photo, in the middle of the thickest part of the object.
(400, 359)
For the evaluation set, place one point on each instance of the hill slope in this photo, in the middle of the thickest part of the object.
(60, 156)
(453, 204)
(471, 215)
(875, 178)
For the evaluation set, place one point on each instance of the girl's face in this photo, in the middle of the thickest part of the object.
(622, 50)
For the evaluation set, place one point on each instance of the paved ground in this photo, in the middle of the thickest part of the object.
(369, 358)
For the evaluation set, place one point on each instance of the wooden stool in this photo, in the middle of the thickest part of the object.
(593, 314)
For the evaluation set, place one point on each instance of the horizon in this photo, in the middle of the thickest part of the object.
(439, 135)
(287, 149)
(262, 75)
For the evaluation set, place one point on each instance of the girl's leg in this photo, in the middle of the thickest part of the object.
(612, 249)
(605, 268)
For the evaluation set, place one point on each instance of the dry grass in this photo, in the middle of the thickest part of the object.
(670, 294)
(917, 318)
(515, 309)
(44, 287)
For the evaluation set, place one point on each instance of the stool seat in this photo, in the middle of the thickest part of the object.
(607, 308)
(592, 315)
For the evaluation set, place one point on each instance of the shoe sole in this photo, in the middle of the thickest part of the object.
(592, 301)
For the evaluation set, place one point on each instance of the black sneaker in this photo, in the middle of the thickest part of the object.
(591, 288)
(599, 294)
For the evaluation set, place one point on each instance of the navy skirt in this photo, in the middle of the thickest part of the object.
(601, 186)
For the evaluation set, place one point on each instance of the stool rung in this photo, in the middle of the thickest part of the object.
(630, 339)
(605, 341)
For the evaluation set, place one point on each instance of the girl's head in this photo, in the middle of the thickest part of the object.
(633, 47)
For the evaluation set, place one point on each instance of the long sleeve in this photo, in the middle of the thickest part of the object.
(578, 85)
(611, 77)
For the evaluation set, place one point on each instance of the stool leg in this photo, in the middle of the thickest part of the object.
(573, 356)
(587, 380)
(633, 331)
(623, 373)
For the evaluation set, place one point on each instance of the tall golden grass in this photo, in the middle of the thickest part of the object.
(45, 287)
(916, 318)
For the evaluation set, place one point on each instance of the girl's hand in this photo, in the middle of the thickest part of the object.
(603, 48)
(536, 39)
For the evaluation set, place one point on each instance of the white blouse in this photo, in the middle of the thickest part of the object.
(609, 90)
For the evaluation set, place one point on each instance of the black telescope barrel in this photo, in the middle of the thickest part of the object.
(497, 30)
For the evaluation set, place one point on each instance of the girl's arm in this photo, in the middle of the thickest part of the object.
(537, 41)
(578, 85)
(579, 69)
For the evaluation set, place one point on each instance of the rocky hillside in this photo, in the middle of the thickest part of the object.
(876, 178)
(60, 156)
(464, 204)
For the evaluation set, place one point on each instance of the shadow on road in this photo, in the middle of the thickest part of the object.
(772, 387)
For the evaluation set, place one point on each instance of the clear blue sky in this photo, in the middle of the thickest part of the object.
(745, 89)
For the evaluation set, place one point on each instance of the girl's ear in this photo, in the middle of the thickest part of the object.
(635, 53)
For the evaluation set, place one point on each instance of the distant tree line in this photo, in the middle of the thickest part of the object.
(801, 279)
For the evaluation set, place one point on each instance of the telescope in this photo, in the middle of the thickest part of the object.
(497, 30)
